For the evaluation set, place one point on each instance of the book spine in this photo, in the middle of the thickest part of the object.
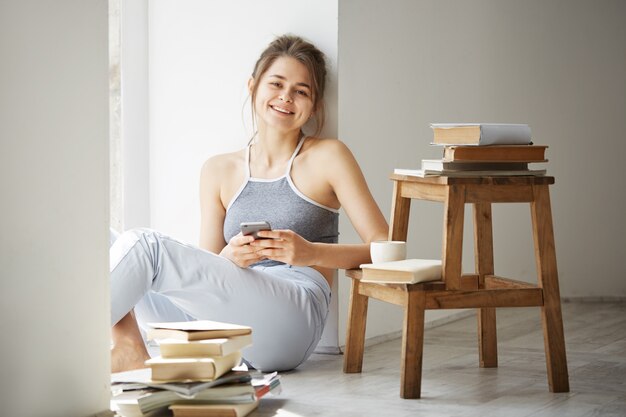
(528, 153)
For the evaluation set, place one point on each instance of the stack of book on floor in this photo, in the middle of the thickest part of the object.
(194, 374)
(482, 149)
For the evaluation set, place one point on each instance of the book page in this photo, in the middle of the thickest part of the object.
(197, 325)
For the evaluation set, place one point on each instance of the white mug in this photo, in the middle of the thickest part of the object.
(387, 250)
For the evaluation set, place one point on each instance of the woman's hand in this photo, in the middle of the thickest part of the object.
(285, 246)
(240, 251)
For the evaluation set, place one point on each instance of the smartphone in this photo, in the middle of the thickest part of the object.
(251, 228)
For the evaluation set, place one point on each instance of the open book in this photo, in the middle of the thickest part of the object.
(137, 379)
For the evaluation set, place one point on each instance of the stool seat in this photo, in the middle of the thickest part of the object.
(482, 290)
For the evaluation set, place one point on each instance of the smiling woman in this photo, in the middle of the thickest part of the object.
(308, 64)
(283, 101)
(279, 285)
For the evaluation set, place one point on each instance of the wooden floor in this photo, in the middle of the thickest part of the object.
(454, 385)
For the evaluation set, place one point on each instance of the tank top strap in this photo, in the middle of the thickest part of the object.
(247, 164)
(295, 153)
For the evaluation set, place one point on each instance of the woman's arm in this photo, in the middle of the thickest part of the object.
(213, 213)
(348, 183)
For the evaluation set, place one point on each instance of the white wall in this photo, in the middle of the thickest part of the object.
(54, 190)
(135, 133)
(559, 66)
(201, 54)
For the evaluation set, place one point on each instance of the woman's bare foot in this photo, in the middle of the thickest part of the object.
(127, 356)
(129, 350)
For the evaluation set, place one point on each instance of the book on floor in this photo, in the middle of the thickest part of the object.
(176, 348)
(142, 378)
(407, 271)
(501, 153)
(481, 134)
(213, 410)
(195, 330)
(192, 369)
(134, 401)
(267, 383)
(148, 400)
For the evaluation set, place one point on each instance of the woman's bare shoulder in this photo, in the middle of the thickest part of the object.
(326, 146)
(223, 164)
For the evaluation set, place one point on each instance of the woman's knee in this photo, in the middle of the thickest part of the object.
(283, 352)
(132, 244)
(131, 237)
(275, 361)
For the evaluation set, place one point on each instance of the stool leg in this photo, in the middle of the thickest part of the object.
(487, 338)
(553, 335)
(483, 257)
(400, 211)
(412, 345)
(355, 333)
(452, 251)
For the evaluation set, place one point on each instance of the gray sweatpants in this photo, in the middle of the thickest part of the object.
(166, 280)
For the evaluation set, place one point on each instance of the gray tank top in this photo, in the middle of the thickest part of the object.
(279, 202)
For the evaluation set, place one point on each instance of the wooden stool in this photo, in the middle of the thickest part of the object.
(482, 290)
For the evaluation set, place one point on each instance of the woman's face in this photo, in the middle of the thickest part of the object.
(284, 98)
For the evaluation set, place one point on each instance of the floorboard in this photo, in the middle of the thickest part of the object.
(454, 385)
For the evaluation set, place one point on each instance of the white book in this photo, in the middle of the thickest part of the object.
(213, 410)
(407, 271)
(481, 134)
(491, 173)
(175, 348)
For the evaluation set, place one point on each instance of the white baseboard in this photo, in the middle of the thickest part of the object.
(328, 350)
(375, 340)
(450, 318)
(105, 413)
(587, 299)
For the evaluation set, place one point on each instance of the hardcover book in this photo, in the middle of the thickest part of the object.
(213, 410)
(481, 134)
(192, 369)
(443, 165)
(175, 348)
(141, 402)
(195, 330)
(501, 153)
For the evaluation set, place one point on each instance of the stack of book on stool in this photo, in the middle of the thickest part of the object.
(194, 375)
(481, 149)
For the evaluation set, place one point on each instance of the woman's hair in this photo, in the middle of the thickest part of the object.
(305, 53)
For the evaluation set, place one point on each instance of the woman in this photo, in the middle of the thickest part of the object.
(280, 283)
